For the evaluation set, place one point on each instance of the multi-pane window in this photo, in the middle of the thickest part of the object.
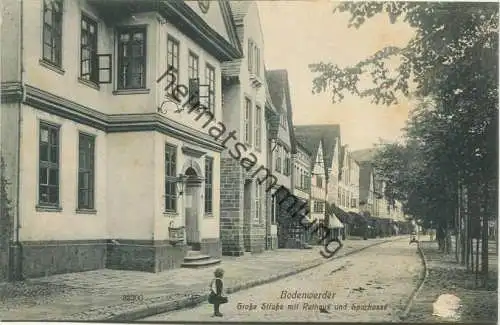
(258, 127)
(89, 64)
(248, 121)
(258, 205)
(278, 158)
(319, 206)
(210, 82)
(209, 163)
(194, 81)
(250, 56)
(52, 31)
(257, 60)
(193, 69)
(48, 182)
(319, 181)
(253, 58)
(86, 173)
(286, 167)
(172, 65)
(132, 58)
(170, 178)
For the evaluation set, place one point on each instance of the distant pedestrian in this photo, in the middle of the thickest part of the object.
(216, 289)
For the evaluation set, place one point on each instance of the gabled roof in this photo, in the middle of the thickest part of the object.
(278, 86)
(311, 144)
(303, 148)
(239, 9)
(364, 155)
(311, 135)
(229, 22)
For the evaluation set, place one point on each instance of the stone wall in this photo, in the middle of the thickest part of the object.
(211, 247)
(55, 257)
(231, 212)
(144, 255)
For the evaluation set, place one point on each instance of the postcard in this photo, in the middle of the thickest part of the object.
(248, 161)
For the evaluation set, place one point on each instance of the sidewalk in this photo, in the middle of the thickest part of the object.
(97, 295)
(445, 276)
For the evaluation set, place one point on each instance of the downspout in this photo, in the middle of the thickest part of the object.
(19, 259)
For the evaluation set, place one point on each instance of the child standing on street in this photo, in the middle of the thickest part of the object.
(216, 288)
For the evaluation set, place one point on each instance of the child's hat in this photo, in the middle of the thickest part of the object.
(218, 271)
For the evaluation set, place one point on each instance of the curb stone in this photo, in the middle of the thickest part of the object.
(150, 309)
(415, 293)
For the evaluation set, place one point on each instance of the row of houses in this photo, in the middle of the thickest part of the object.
(136, 133)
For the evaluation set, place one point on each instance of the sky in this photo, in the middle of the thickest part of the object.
(297, 33)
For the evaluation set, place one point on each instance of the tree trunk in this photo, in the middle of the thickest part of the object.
(440, 236)
(484, 239)
(462, 225)
(458, 225)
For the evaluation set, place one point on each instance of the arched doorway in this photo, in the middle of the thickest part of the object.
(192, 207)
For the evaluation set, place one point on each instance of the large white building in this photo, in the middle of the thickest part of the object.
(105, 155)
(243, 187)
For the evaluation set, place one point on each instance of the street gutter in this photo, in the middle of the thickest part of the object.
(415, 293)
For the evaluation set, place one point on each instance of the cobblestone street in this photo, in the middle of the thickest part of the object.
(383, 276)
(97, 295)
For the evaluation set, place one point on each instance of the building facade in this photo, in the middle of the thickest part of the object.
(366, 189)
(243, 205)
(122, 156)
(281, 138)
(348, 195)
(302, 163)
(318, 185)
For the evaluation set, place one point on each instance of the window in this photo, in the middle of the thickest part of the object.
(353, 203)
(250, 56)
(319, 206)
(319, 181)
(286, 167)
(170, 178)
(210, 82)
(86, 171)
(194, 81)
(248, 121)
(52, 31)
(132, 58)
(257, 60)
(89, 64)
(48, 183)
(258, 207)
(193, 70)
(278, 158)
(172, 65)
(258, 127)
(209, 163)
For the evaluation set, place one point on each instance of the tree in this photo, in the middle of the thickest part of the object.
(451, 136)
